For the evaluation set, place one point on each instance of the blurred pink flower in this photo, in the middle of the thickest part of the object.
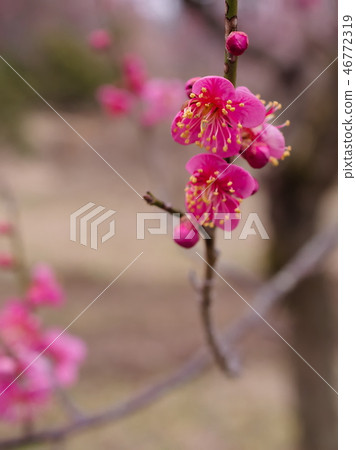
(160, 99)
(23, 399)
(115, 101)
(237, 43)
(66, 352)
(185, 234)
(215, 187)
(99, 39)
(44, 288)
(134, 73)
(264, 143)
(215, 114)
(6, 228)
(19, 328)
(7, 261)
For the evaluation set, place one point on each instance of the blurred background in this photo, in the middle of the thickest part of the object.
(147, 324)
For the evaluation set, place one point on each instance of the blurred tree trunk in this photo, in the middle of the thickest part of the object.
(296, 190)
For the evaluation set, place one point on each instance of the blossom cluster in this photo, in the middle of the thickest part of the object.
(35, 360)
(156, 99)
(228, 123)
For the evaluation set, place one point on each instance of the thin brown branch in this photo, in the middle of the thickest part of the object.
(302, 265)
(226, 364)
(154, 201)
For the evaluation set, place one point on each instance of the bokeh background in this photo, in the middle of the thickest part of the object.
(147, 324)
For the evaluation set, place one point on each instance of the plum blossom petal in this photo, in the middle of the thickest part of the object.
(44, 288)
(66, 351)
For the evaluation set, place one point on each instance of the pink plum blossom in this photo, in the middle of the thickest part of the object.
(134, 72)
(19, 328)
(44, 288)
(215, 114)
(99, 39)
(237, 43)
(115, 101)
(66, 352)
(185, 234)
(161, 99)
(264, 143)
(215, 187)
(23, 399)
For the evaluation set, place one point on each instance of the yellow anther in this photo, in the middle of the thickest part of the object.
(223, 124)
(242, 105)
(263, 102)
(224, 199)
(239, 125)
(225, 148)
(231, 190)
(216, 192)
(175, 130)
(214, 149)
(289, 148)
(208, 147)
(201, 95)
(211, 180)
(237, 210)
(198, 143)
(193, 179)
(287, 123)
(229, 102)
(187, 141)
(200, 135)
(203, 89)
(224, 111)
(274, 161)
(200, 170)
(192, 95)
(228, 140)
(214, 138)
(221, 221)
(198, 104)
(229, 183)
(232, 109)
(216, 172)
(180, 124)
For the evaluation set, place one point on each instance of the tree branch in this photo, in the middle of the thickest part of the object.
(302, 265)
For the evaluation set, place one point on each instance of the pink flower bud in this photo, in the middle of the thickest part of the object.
(7, 261)
(189, 85)
(99, 39)
(5, 228)
(237, 43)
(256, 155)
(185, 234)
